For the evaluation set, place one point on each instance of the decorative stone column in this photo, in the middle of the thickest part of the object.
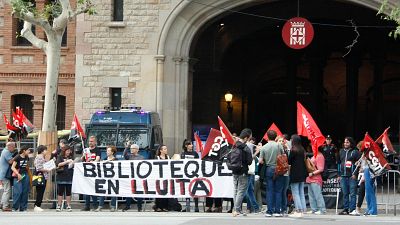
(179, 120)
(38, 104)
(160, 82)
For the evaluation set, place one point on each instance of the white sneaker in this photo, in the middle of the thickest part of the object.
(58, 209)
(310, 212)
(319, 212)
(37, 209)
(277, 215)
(354, 213)
(69, 209)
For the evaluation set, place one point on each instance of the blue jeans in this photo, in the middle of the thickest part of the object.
(370, 193)
(317, 201)
(349, 189)
(286, 180)
(20, 193)
(94, 201)
(240, 183)
(251, 198)
(112, 203)
(298, 196)
(274, 190)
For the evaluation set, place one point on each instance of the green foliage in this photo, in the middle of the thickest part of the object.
(22, 7)
(51, 10)
(391, 13)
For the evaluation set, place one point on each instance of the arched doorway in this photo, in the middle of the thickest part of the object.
(198, 62)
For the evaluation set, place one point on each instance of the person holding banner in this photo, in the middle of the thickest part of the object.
(133, 155)
(65, 172)
(111, 150)
(161, 204)
(91, 154)
(348, 156)
(188, 153)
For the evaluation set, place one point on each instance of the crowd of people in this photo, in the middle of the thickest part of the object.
(261, 164)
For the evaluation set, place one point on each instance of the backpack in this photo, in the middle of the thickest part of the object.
(234, 159)
(282, 165)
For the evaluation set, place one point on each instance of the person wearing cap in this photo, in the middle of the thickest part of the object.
(330, 153)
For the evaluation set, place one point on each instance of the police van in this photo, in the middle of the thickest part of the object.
(126, 126)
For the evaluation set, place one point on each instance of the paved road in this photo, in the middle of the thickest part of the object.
(151, 218)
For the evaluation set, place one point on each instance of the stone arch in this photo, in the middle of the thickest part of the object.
(173, 62)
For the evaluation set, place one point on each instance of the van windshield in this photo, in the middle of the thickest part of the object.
(118, 137)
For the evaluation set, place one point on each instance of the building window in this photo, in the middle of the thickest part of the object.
(115, 94)
(25, 103)
(19, 40)
(60, 121)
(118, 12)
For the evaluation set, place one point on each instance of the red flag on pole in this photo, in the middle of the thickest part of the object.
(384, 139)
(307, 127)
(376, 160)
(76, 128)
(216, 146)
(199, 144)
(225, 132)
(274, 128)
(8, 125)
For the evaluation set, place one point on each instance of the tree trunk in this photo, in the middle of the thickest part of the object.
(53, 54)
(48, 135)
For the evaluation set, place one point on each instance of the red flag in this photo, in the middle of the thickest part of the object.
(199, 144)
(307, 127)
(376, 160)
(8, 125)
(76, 128)
(274, 128)
(18, 118)
(215, 147)
(225, 132)
(384, 139)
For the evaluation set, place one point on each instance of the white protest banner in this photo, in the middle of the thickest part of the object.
(154, 179)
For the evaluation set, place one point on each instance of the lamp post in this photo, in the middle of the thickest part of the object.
(228, 100)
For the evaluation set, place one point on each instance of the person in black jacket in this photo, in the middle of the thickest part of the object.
(347, 158)
(241, 177)
(188, 153)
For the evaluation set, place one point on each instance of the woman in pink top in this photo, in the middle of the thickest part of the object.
(314, 181)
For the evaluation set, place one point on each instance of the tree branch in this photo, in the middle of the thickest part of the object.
(29, 17)
(27, 33)
(349, 47)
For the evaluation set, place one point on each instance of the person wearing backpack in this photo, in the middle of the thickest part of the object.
(274, 188)
(238, 160)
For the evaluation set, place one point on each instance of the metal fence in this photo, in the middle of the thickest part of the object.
(388, 191)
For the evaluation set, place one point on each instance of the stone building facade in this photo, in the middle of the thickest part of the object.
(147, 55)
(23, 72)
